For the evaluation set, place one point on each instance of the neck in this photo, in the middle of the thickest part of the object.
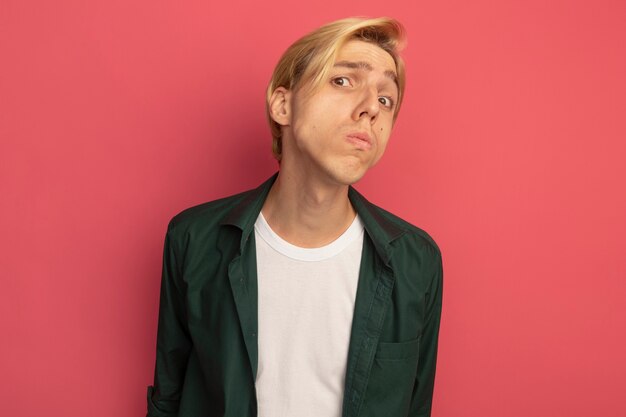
(307, 212)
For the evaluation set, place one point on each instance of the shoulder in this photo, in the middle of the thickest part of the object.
(396, 231)
(404, 233)
(415, 252)
(201, 218)
(412, 232)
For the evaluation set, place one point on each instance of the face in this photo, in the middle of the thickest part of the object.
(341, 130)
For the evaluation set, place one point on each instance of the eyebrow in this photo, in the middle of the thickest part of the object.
(362, 65)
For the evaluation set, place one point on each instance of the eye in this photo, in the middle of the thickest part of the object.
(386, 101)
(341, 81)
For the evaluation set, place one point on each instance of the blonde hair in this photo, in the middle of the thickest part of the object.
(310, 59)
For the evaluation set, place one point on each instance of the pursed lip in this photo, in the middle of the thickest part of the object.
(361, 139)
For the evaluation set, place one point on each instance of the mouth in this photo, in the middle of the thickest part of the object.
(360, 139)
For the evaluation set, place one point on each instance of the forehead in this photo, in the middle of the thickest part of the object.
(365, 52)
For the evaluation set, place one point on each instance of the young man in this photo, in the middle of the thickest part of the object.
(301, 298)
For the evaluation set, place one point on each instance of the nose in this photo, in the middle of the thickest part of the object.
(368, 105)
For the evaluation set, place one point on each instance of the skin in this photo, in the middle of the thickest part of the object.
(308, 204)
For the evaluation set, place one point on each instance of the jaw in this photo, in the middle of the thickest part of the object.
(335, 164)
(350, 169)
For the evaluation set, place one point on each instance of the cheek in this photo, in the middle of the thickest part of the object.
(306, 117)
(383, 140)
(382, 133)
(384, 125)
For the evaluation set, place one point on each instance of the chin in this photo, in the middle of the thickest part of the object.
(347, 172)
(349, 177)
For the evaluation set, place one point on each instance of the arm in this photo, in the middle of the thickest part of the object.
(421, 400)
(173, 341)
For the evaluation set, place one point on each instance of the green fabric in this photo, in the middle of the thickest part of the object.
(206, 360)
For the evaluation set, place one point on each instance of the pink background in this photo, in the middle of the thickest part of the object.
(509, 151)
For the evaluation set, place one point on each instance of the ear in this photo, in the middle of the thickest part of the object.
(280, 106)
